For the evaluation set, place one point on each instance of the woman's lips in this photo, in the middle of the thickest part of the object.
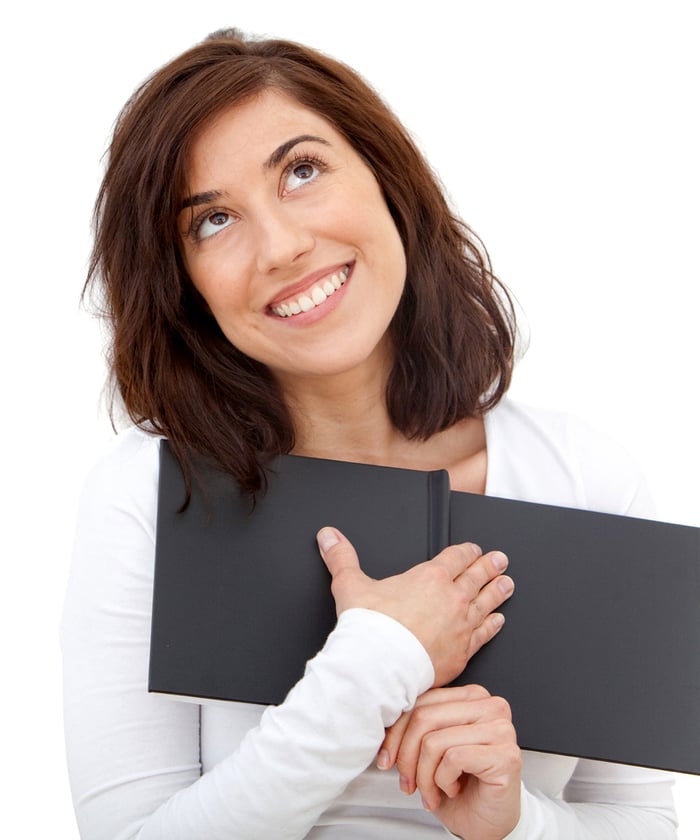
(313, 296)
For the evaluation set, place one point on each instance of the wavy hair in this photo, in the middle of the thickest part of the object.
(454, 328)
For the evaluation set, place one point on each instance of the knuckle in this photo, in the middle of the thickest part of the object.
(462, 554)
(437, 574)
(501, 708)
(430, 747)
(421, 716)
(462, 600)
(503, 732)
(477, 576)
(468, 551)
(477, 610)
(476, 692)
(339, 581)
(454, 551)
(404, 766)
(513, 759)
(341, 573)
(451, 759)
(480, 636)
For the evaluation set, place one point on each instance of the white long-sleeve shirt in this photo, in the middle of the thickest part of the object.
(146, 766)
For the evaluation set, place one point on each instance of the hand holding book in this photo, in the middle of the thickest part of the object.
(458, 748)
(224, 573)
(447, 603)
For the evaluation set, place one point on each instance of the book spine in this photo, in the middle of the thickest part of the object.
(438, 511)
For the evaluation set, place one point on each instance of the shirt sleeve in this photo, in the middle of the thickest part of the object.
(134, 757)
(601, 802)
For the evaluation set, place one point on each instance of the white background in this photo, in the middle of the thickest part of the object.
(567, 134)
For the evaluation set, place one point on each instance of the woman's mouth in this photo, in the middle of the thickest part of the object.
(312, 297)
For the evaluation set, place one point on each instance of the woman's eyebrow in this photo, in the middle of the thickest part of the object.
(278, 155)
(201, 198)
(274, 160)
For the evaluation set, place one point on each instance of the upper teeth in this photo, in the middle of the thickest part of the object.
(314, 297)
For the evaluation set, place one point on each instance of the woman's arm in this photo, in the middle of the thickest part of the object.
(134, 758)
(304, 752)
(458, 748)
(602, 802)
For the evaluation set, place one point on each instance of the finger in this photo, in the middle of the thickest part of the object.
(489, 627)
(479, 749)
(427, 722)
(453, 692)
(392, 740)
(343, 563)
(481, 571)
(394, 734)
(337, 551)
(457, 558)
(494, 764)
(491, 596)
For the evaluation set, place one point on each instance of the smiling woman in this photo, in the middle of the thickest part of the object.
(187, 140)
(281, 273)
(280, 224)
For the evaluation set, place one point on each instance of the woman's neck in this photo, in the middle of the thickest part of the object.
(345, 418)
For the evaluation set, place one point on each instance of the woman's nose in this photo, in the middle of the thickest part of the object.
(282, 237)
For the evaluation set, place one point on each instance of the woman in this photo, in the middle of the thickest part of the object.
(282, 274)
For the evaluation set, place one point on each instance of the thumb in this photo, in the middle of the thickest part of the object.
(341, 559)
(337, 551)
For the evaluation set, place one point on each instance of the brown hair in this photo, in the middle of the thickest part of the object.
(177, 374)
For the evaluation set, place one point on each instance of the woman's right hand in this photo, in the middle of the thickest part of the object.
(448, 602)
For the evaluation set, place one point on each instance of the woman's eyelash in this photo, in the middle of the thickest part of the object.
(304, 157)
(301, 156)
(198, 221)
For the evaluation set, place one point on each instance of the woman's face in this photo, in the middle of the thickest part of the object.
(287, 236)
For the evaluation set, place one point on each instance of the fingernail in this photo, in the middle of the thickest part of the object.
(383, 759)
(326, 539)
(506, 585)
(498, 621)
(500, 561)
(425, 804)
(403, 784)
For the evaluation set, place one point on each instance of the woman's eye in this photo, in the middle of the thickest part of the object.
(299, 174)
(213, 223)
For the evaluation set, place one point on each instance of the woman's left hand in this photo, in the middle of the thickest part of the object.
(458, 748)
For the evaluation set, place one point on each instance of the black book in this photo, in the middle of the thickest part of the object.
(600, 654)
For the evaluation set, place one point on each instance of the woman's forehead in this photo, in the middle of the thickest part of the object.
(257, 132)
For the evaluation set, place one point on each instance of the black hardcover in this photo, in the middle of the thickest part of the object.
(600, 654)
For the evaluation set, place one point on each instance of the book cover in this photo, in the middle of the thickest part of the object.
(600, 654)
(242, 597)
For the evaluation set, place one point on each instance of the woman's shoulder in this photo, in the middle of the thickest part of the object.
(555, 457)
(130, 447)
(126, 472)
(113, 549)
